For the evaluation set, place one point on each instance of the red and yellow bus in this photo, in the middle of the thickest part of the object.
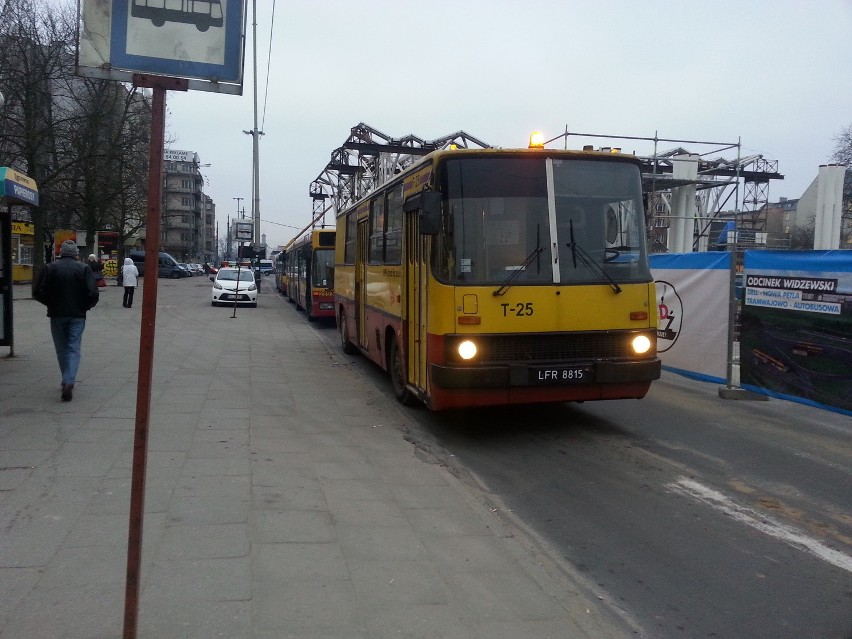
(281, 273)
(489, 277)
(307, 276)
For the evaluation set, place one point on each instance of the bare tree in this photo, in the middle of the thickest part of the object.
(36, 53)
(110, 136)
(84, 141)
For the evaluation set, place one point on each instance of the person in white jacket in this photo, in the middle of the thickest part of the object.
(129, 277)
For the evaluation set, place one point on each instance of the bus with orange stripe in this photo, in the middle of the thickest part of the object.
(307, 276)
(483, 277)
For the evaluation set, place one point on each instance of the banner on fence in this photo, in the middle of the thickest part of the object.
(796, 334)
(693, 297)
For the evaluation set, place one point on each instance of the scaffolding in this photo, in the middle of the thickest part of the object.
(714, 179)
(697, 200)
(369, 158)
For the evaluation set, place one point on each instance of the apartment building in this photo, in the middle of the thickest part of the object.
(187, 228)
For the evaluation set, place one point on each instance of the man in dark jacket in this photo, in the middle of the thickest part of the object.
(68, 288)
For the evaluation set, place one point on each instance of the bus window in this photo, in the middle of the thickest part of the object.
(323, 268)
(377, 231)
(351, 234)
(495, 228)
(393, 235)
(595, 202)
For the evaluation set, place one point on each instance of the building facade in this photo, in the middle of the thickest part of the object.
(188, 215)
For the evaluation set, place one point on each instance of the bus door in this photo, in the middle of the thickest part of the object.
(297, 284)
(363, 251)
(308, 287)
(415, 295)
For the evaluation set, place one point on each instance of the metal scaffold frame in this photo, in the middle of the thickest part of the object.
(369, 158)
(716, 181)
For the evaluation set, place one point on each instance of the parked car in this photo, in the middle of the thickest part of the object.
(186, 268)
(167, 266)
(196, 269)
(231, 282)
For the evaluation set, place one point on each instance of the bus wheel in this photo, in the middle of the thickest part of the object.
(396, 368)
(347, 346)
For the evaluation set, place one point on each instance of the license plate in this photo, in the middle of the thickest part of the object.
(552, 375)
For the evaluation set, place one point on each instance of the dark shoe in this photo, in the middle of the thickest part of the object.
(67, 392)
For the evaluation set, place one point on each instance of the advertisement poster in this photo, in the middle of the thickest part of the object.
(59, 236)
(796, 336)
(693, 294)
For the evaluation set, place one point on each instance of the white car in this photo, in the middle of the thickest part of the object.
(226, 286)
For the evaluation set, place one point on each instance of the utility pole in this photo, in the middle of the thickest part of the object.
(230, 239)
(255, 133)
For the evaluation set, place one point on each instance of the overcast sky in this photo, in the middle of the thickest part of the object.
(773, 73)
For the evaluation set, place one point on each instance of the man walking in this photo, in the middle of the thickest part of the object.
(68, 288)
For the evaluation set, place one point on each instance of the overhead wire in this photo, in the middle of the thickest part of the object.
(268, 65)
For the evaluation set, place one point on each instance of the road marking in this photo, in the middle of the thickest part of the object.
(761, 522)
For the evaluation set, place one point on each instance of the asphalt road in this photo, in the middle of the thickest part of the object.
(692, 516)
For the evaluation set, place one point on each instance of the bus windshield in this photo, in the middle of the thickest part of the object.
(537, 220)
(323, 269)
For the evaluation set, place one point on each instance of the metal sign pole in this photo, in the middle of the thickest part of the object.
(146, 344)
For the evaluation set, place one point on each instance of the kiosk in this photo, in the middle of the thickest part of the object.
(15, 189)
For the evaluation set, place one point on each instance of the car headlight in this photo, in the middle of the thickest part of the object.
(641, 344)
(252, 288)
(217, 286)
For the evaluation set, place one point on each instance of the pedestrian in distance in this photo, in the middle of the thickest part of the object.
(97, 269)
(69, 290)
(129, 277)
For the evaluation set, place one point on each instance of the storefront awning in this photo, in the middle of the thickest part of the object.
(17, 188)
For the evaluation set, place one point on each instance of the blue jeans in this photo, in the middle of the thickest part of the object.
(67, 338)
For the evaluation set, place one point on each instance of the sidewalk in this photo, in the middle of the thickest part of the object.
(282, 497)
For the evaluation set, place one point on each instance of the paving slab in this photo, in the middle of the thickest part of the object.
(282, 496)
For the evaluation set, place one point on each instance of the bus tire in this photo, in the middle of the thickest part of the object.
(347, 346)
(396, 369)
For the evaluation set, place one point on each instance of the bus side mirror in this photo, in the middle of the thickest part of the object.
(430, 212)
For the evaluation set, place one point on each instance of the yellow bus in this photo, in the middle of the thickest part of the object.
(308, 273)
(482, 277)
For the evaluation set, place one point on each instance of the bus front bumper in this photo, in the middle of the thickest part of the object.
(541, 375)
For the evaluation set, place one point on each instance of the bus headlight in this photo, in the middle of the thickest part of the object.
(467, 350)
(641, 344)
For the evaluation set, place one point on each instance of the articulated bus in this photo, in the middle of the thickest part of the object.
(484, 277)
(309, 273)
